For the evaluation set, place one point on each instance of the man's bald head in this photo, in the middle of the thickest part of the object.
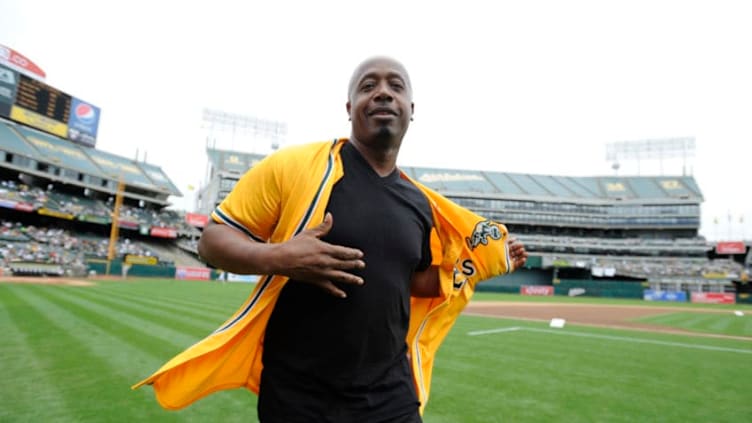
(363, 68)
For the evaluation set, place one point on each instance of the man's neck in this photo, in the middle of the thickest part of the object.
(381, 156)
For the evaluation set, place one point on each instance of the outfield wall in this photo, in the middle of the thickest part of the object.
(141, 270)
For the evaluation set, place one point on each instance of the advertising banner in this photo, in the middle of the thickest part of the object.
(672, 296)
(196, 219)
(713, 297)
(8, 204)
(134, 259)
(192, 273)
(16, 60)
(38, 121)
(730, 247)
(25, 207)
(55, 213)
(94, 219)
(159, 232)
(544, 290)
(83, 122)
(232, 277)
(127, 224)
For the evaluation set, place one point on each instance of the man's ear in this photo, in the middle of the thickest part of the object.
(348, 107)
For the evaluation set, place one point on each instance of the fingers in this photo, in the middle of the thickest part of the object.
(345, 277)
(331, 288)
(324, 227)
(346, 253)
(517, 253)
(336, 251)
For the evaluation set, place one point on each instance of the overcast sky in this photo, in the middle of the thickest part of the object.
(526, 86)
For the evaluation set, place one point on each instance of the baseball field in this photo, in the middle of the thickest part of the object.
(72, 349)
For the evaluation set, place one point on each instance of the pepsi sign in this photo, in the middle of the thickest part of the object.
(83, 123)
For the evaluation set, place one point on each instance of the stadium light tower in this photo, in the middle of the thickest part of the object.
(652, 149)
(218, 122)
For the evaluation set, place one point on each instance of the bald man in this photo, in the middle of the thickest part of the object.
(347, 243)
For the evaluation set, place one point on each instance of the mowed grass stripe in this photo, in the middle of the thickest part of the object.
(168, 303)
(536, 376)
(160, 350)
(200, 294)
(179, 319)
(78, 361)
(127, 325)
(213, 298)
(636, 340)
(130, 359)
(726, 323)
(25, 357)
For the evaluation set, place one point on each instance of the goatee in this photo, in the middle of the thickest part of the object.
(384, 134)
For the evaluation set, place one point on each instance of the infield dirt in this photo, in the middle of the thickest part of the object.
(611, 316)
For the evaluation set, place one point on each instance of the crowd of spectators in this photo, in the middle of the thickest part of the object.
(19, 243)
(697, 246)
(632, 257)
(142, 215)
(670, 267)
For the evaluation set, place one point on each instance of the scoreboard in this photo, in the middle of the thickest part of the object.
(36, 104)
(42, 99)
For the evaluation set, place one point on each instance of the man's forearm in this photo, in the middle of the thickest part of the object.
(230, 250)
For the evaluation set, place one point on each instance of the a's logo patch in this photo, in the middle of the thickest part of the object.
(483, 230)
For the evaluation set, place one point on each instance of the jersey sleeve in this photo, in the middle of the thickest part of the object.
(253, 205)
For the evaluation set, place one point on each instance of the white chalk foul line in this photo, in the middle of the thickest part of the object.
(613, 338)
(499, 330)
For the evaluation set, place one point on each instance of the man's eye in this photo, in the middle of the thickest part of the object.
(367, 87)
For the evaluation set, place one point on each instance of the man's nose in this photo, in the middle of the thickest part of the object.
(383, 92)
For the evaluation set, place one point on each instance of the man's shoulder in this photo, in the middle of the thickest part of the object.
(307, 148)
(297, 158)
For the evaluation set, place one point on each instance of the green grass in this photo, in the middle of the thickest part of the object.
(70, 354)
(726, 324)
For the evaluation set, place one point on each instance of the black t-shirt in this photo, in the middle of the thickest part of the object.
(347, 357)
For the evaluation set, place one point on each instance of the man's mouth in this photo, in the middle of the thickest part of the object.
(381, 111)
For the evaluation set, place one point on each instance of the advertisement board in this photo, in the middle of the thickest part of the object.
(160, 232)
(730, 247)
(137, 259)
(21, 63)
(713, 298)
(83, 122)
(127, 224)
(192, 273)
(671, 296)
(196, 219)
(544, 290)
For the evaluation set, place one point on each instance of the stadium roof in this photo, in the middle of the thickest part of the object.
(158, 177)
(563, 188)
(504, 185)
(60, 152)
(115, 166)
(14, 143)
(46, 148)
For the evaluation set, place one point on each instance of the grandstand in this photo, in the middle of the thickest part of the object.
(50, 184)
(633, 232)
(641, 232)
